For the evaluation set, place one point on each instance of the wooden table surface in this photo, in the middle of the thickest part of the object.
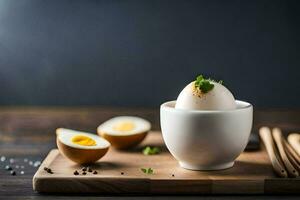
(29, 133)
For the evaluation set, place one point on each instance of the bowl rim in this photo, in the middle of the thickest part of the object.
(243, 105)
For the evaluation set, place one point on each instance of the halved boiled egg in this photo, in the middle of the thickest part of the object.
(81, 147)
(124, 131)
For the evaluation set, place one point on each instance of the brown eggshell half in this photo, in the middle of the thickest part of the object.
(81, 156)
(123, 141)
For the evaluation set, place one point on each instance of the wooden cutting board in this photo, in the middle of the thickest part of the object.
(251, 174)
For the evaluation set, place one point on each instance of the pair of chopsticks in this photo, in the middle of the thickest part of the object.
(284, 155)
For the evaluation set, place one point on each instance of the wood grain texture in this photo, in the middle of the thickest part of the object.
(251, 174)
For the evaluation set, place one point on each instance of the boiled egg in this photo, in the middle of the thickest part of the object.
(81, 147)
(218, 98)
(124, 131)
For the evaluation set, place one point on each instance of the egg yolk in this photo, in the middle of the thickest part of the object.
(124, 126)
(83, 140)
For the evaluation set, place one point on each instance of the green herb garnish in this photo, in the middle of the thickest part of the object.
(203, 84)
(220, 81)
(147, 170)
(151, 150)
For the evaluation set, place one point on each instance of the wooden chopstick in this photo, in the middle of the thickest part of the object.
(265, 135)
(290, 155)
(277, 135)
(292, 151)
(294, 140)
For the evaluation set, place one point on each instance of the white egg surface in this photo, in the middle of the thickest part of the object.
(219, 98)
(124, 125)
(81, 140)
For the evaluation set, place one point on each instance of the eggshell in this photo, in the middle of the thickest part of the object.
(124, 141)
(81, 156)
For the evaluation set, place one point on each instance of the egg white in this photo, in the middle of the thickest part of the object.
(219, 98)
(65, 136)
(141, 126)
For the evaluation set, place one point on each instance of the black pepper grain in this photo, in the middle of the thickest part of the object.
(83, 173)
(76, 173)
(173, 175)
(49, 171)
(122, 173)
(13, 173)
(95, 172)
(84, 169)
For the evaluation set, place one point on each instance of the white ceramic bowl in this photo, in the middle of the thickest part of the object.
(208, 139)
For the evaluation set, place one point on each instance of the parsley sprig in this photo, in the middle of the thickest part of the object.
(203, 84)
(147, 170)
(151, 150)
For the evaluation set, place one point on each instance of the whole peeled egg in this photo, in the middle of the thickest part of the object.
(217, 98)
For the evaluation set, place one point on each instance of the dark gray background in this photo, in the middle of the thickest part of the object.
(141, 53)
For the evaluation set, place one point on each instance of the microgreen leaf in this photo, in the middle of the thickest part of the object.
(206, 86)
(147, 170)
(203, 84)
(220, 81)
(151, 150)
